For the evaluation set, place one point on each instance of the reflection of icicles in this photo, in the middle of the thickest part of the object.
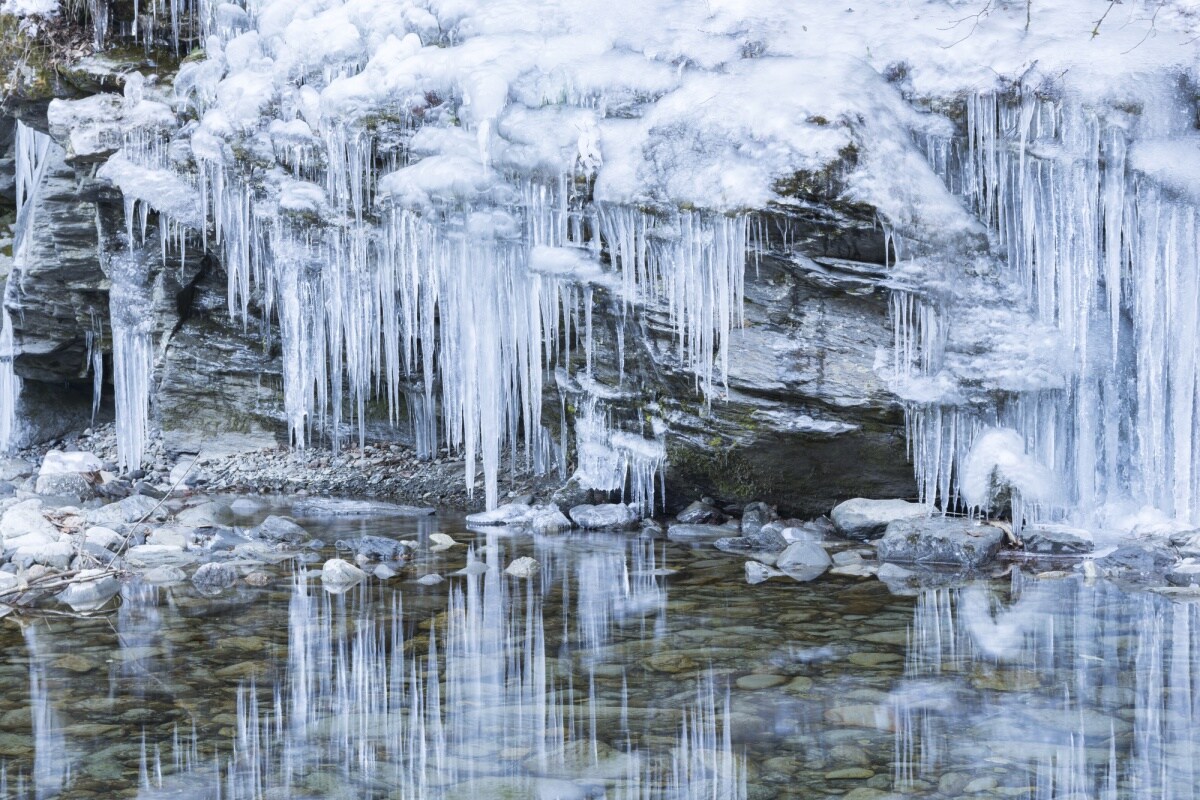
(51, 756)
(10, 386)
(704, 764)
(616, 586)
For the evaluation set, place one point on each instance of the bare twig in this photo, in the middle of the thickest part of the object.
(1099, 22)
(158, 505)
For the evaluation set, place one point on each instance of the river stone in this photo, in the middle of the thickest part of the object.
(440, 541)
(12, 469)
(64, 484)
(700, 513)
(338, 575)
(134, 508)
(940, 540)
(384, 572)
(73, 461)
(755, 516)
(1057, 540)
(24, 518)
(164, 575)
(201, 516)
(432, 579)
(1186, 574)
(376, 548)
(244, 507)
(548, 519)
(56, 555)
(861, 518)
(1136, 561)
(278, 529)
(804, 561)
(523, 567)
(89, 590)
(213, 578)
(760, 680)
(608, 516)
(157, 555)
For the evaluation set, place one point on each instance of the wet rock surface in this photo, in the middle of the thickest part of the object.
(940, 540)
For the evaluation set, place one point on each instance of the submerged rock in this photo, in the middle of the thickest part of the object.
(804, 561)
(609, 516)
(523, 567)
(90, 589)
(278, 529)
(755, 516)
(213, 578)
(940, 540)
(861, 518)
(376, 548)
(163, 575)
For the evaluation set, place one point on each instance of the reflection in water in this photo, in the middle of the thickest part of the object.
(592, 680)
(1090, 690)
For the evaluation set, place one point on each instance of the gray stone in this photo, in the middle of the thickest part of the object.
(940, 540)
(134, 508)
(861, 518)
(804, 561)
(430, 580)
(202, 515)
(755, 516)
(700, 513)
(64, 484)
(26, 517)
(338, 576)
(1137, 561)
(12, 469)
(278, 529)
(1187, 574)
(549, 520)
(151, 555)
(90, 589)
(609, 516)
(1057, 540)
(56, 555)
(213, 578)
(244, 507)
(384, 572)
(376, 548)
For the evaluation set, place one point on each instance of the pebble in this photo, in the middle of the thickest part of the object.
(760, 681)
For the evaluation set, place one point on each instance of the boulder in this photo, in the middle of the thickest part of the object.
(1057, 540)
(13, 469)
(58, 462)
(1186, 574)
(700, 512)
(377, 548)
(90, 589)
(549, 520)
(950, 541)
(64, 484)
(134, 508)
(609, 516)
(25, 517)
(861, 518)
(213, 578)
(278, 529)
(338, 576)
(245, 507)
(56, 555)
(103, 537)
(804, 561)
(1137, 561)
(157, 555)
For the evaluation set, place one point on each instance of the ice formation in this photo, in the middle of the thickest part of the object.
(431, 197)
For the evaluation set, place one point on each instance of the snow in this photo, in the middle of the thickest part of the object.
(997, 462)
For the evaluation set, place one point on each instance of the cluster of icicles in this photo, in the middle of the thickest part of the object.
(439, 311)
(1106, 257)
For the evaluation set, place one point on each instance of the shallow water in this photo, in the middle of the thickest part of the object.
(628, 668)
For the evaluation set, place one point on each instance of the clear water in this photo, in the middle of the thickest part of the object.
(628, 668)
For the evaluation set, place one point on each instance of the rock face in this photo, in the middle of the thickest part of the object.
(940, 540)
